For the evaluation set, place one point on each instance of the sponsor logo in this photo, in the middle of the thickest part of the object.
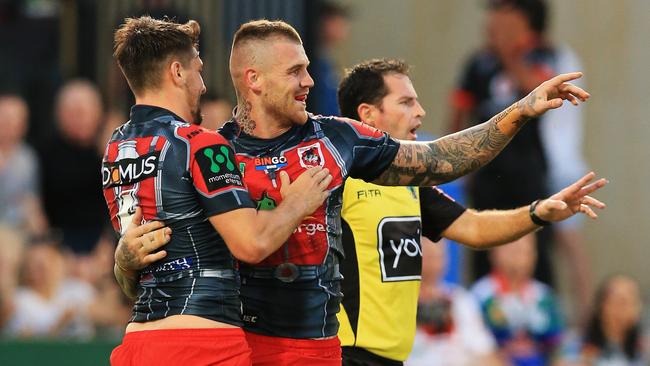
(265, 203)
(249, 318)
(270, 163)
(368, 193)
(217, 164)
(310, 229)
(175, 265)
(129, 171)
(400, 253)
(192, 134)
(218, 159)
(311, 156)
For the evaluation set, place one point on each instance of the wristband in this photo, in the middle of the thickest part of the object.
(533, 216)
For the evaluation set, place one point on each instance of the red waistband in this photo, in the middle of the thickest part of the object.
(293, 342)
(195, 333)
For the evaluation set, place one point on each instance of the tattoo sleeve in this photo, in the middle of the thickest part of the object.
(452, 156)
(126, 278)
(128, 281)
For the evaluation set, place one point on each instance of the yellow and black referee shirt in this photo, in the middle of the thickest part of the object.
(382, 227)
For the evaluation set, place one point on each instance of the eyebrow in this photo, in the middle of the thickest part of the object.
(297, 67)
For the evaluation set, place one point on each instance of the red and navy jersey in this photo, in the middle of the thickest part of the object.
(296, 291)
(180, 174)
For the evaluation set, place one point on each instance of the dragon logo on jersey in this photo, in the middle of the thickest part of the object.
(265, 203)
(311, 156)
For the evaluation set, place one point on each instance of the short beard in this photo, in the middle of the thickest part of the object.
(197, 117)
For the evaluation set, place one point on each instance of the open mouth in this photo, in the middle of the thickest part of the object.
(301, 98)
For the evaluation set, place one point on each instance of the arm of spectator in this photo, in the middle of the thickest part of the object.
(36, 220)
(455, 155)
(486, 229)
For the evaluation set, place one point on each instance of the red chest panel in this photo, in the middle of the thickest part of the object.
(308, 245)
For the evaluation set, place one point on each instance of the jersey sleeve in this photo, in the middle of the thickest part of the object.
(372, 150)
(215, 174)
(438, 211)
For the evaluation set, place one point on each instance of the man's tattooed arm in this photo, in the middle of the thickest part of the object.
(126, 278)
(128, 281)
(452, 156)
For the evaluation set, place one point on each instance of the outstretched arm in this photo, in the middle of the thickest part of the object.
(452, 156)
(486, 229)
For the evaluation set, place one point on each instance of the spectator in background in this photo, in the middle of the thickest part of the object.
(562, 134)
(20, 205)
(450, 325)
(516, 57)
(12, 244)
(513, 60)
(521, 312)
(334, 29)
(111, 309)
(71, 179)
(216, 111)
(614, 333)
(49, 303)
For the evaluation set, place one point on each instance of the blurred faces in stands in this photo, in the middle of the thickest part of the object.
(79, 112)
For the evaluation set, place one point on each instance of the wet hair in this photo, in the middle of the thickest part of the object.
(364, 83)
(143, 45)
(535, 11)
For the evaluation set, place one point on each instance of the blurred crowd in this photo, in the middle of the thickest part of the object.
(56, 244)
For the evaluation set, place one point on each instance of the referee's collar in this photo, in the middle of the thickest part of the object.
(143, 113)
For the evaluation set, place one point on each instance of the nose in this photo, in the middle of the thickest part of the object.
(307, 81)
(420, 112)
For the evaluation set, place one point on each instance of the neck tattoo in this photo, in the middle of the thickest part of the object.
(243, 117)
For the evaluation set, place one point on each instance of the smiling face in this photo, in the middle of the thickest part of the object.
(284, 81)
(399, 113)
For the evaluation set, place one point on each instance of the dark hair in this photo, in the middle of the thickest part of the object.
(364, 83)
(263, 29)
(329, 9)
(142, 45)
(535, 11)
(595, 335)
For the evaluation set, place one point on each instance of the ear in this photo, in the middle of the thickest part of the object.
(177, 73)
(367, 113)
(253, 80)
